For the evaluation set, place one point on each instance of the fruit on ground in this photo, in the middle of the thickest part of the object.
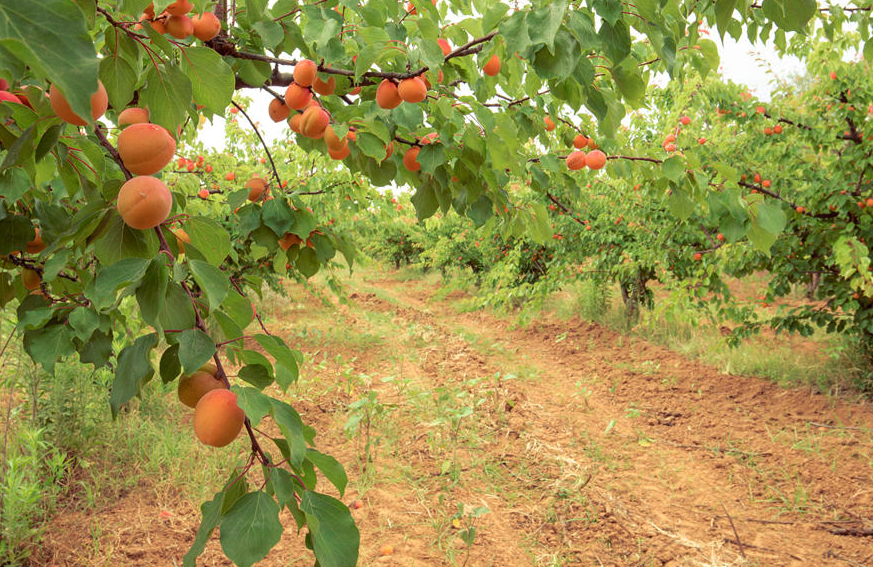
(412, 90)
(576, 160)
(492, 67)
(314, 121)
(305, 72)
(144, 202)
(206, 26)
(278, 110)
(387, 96)
(30, 278)
(192, 387)
(386, 550)
(36, 245)
(145, 148)
(217, 418)
(410, 159)
(99, 104)
(297, 97)
(133, 115)
(595, 159)
(257, 187)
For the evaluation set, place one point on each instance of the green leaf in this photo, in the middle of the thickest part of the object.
(276, 347)
(96, 350)
(15, 232)
(210, 517)
(84, 322)
(170, 367)
(152, 290)
(253, 402)
(724, 10)
(20, 150)
(250, 529)
(772, 218)
(119, 78)
(211, 280)
(239, 309)
(673, 168)
(110, 278)
(178, 313)
(47, 345)
(167, 94)
(209, 238)
(330, 468)
(119, 241)
(335, 537)
(212, 79)
(134, 366)
(52, 39)
(790, 15)
(307, 262)
(195, 349)
(257, 375)
(277, 216)
(48, 141)
(425, 201)
(291, 426)
(543, 24)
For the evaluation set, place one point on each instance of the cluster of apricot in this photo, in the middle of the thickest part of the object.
(217, 417)
(175, 21)
(578, 159)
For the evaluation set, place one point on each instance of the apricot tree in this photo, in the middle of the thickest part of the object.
(452, 98)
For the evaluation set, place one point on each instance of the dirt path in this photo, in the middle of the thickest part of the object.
(586, 446)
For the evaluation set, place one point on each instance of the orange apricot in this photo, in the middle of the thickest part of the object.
(492, 67)
(294, 122)
(179, 27)
(257, 187)
(389, 149)
(289, 240)
(36, 245)
(550, 124)
(144, 202)
(133, 115)
(230, 176)
(278, 110)
(6, 96)
(580, 141)
(217, 418)
(181, 238)
(595, 159)
(333, 141)
(203, 193)
(305, 72)
(576, 160)
(410, 159)
(99, 104)
(145, 148)
(387, 96)
(194, 386)
(30, 278)
(297, 97)
(179, 8)
(314, 122)
(339, 154)
(445, 46)
(591, 144)
(324, 88)
(206, 26)
(412, 90)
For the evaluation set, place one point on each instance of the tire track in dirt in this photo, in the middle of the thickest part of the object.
(689, 447)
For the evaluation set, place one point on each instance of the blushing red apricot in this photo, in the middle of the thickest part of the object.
(179, 27)
(145, 148)
(30, 278)
(6, 96)
(144, 202)
(492, 67)
(257, 187)
(314, 122)
(278, 110)
(206, 26)
(410, 159)
(194, 386)
(412, 90)
(576, 160)
(133, 115)
(179, 8)
(305, 72)
(387, 96)
(99, 104)
(595, 159)
(297, 97)
(217, 418)
(324, 88)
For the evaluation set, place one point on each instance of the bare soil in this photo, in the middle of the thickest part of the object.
(588, 448)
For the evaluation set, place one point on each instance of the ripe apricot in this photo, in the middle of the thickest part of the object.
(591, 144)
(230, 176)
(333, 141)
(145, 148)
(179, 8)
(314, 122)
(294, 122)
(595, 159)
(289, 240)
(179, 27)
(685, 120)
(144, 202)
(305, 72)
(192, 387)
(278, 110)
(412, 90)
(297, 97)
(576, 160)
(133, 115)
(203, 193)
(257, 187)
(387, 96)
(324, 88)
(181, 238)
(698, 257)
(6, 96)
(339, 154)
(99, 104)
(492, 67)
(550, 125)
(580, 141)
(217, 418)
(386, 550)
(206, 26)
(444, 45)
(36, 245)
(777, 129)
(410, 159)
(670, 147)
(389, 149)
(30, 278)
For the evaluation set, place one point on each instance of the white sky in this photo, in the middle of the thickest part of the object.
(755, 66)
